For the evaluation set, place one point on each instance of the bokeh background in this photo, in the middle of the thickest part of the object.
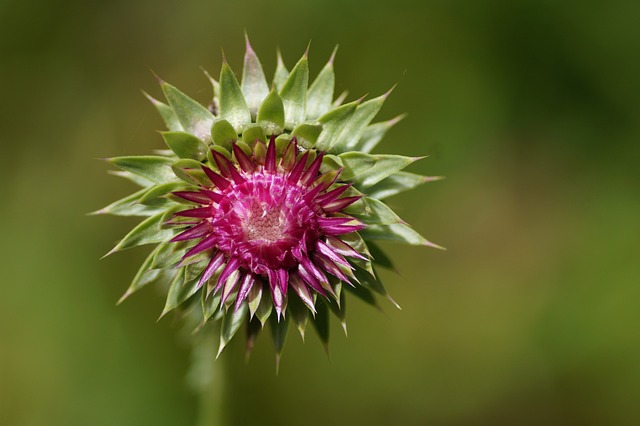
(530, 108)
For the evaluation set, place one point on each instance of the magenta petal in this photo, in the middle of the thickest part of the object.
(200, 212)
(247, 283)
(194, 232)
(229, 286)
(215, 262)
(327, 251)
(312, 172)
(206, 244)
(340, 203)
(230, 268)
(194, 197)
(243, 160)
(298, 169)
(340, 225)
(330, 267)
(270, 160)
(227, 168)
(302, 291)
(343, 248)
(310, 280)
(216, 179)
(276, 293)
(332, 195)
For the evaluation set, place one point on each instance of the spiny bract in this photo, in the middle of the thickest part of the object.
(266, 205)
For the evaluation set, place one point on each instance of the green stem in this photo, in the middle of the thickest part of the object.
(206, 376)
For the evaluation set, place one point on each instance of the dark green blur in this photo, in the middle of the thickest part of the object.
(530, 108)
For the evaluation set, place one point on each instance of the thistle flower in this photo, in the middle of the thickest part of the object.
(267, 203)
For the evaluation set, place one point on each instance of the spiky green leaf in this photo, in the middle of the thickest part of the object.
(397, 183)
(320, 93)
(193, 117)
(180, 290)
(148, 231)
(377, 213)
(333, 123)
(144, 276)
(166, 113)
(254, 84)
(365, 170)
(151, 167)
(358, 122)
(233, 106)
(156, 195)
(129, 206)
(397, 232)
(281, 74)
(185, 145)
(271, 113)
(231, 323)
(307, 134)
(321, 323)
(374, 133)
(223, 133)
(294, 94)
(279, 336)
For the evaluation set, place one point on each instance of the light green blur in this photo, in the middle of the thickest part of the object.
(530, 108)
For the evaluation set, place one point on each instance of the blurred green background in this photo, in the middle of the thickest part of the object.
(530, 108)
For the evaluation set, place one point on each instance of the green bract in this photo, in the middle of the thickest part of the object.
(265, 206)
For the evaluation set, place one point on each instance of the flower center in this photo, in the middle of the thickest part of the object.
(264, 224)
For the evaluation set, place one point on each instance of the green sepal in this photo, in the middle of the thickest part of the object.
(193, 117)
(155, 196)
(254, 84)
(294, 94)
(144, 276)
(169, 254)
(307, 134)
(365, 170)
(180, 291)
(253, 299)
(190, 171)
(377, 213)
(214, 106)
(231, 323)
(372, 282)
(358, 244)
(281, 74)
(129, 206)
(374, 133)
(265, 307)
(397, 232)
(233, 106)
(185, 145)
(379, 256)
(147, 232)
(397, 183)
(339, 309)
(271, 114)
(282, 143)
(166, 113)
(210, 304)
(321, 323)
(252, 134)
(223, 133)
(138, 180)
(279, 330)
(333, 123)
(364, 294)
(320, 94)
(358, 122)
(299, 312)
(151, 167)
